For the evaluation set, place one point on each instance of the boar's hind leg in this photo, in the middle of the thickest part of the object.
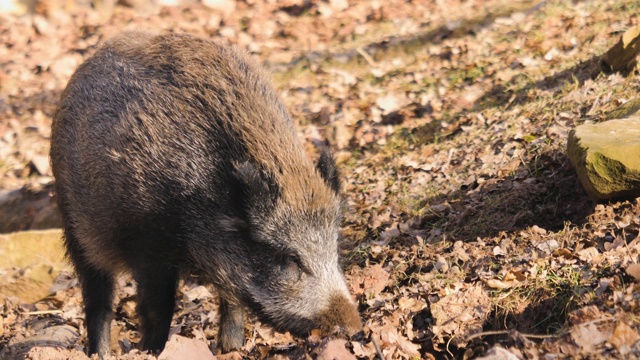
(97, 294)
(156, 301)
(231, 334)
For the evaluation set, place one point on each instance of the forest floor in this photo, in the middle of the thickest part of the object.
(467, 232)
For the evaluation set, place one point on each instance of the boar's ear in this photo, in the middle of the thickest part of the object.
(327, 168)
(257, 187)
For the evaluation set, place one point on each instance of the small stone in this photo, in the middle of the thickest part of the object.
(606, 157)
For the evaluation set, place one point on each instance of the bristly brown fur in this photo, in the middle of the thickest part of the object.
(272, 144)
(173, 154)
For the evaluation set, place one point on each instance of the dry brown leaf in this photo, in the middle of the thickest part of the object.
(53, 353)
(365, 351)
(511, 279)
(225, 6)
(460, 314)
(197, 293)
(411, 304)
(564, 252)
(588, 336)
(335, 350)
(339, 5)
(497, 284)
(180, 347)
(369, 281)
(634, 271)
(586, 314)
(272, 337)
(624, 336)
(499, 353)
(391, 341)
(388, 104)
(234, 355)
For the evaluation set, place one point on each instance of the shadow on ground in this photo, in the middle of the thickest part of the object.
(545, 192)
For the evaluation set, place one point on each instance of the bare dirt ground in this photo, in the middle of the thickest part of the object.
(467, 233)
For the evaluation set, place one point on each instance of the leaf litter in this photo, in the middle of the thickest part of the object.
(466, 232)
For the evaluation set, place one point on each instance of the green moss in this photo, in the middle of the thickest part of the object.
(627, 109)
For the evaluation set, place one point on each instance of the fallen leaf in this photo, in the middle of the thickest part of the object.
(339, 5)
(497, 284)
(369, 281)
(460, 314)
(364, 351)
(411, 304)
(180, 347)
(225, 6)
(335, 350)
(634, 271)
(270, 337)
(197, 293)
(588, 336)
(499, 353)
(548, 246)
(390, 339)
(624, 336)
(388, 103)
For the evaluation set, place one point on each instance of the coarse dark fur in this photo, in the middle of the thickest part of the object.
(173, 155)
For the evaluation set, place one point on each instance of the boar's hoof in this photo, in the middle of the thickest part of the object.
(231, 335)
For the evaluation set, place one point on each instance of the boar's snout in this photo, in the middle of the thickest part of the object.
(341, 312)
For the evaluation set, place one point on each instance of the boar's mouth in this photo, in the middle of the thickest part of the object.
(340, 314)
(295, 324)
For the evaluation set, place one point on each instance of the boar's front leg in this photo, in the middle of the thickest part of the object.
(231, 334)
(156, 302)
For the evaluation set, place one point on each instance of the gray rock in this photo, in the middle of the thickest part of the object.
(606, 157)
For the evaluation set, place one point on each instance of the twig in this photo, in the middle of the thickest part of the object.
(593, 107)
(487, 333)
(366, 56)
(598, 321)
(42, 312)
(449, 351)
(505, 332)
(378, 350)
(626, 245)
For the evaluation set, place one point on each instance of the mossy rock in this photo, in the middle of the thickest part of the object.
(629, 108)
(606, 157)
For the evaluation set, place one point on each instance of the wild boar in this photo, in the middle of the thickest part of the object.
(173, 155)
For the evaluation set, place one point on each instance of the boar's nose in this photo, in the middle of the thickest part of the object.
(341, 312)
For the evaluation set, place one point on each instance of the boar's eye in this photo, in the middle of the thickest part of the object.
(291, 262)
